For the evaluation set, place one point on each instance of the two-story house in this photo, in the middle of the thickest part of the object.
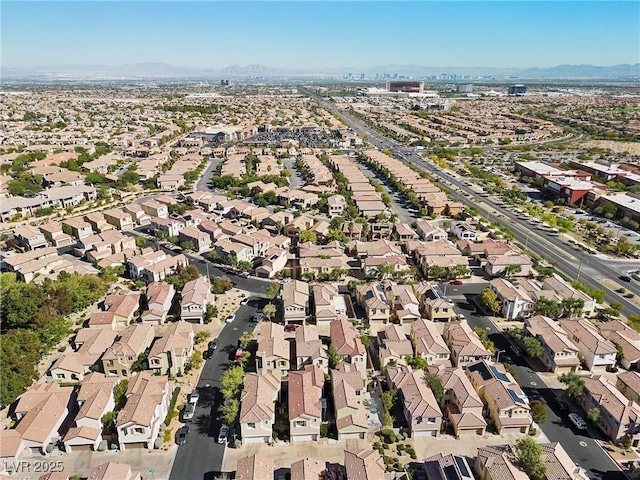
(148, 400)
(347, 343)
(461, 404)
(560, 354)
(171, 352)
(465, 345)
(159, 300)
(348, 394)
(596, 352)
(295, 301)
(196, 295)
(371, 297)
(258, 406)
(310, 350)
(118, 360)
(305, 406)
(429, 344)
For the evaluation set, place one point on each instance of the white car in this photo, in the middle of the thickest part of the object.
(230, 318)
(578, 421)
(189, 411)
(194, 397)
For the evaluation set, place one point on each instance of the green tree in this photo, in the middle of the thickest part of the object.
(140, 241)
(459, 271)
(245, 340)
(273, 290)
(435, 384)
(511, 270)
(533, 347)
(389, 398)
(269, 311)
(231, 381)
(575, 384)
(20, 353)
(489, 301)
(228, 411)
(547, 307)
(119, 394)
(308, 236)
(416, 362)
(436, 272)
(572, 307)
(334, 357)
(594, 414)
(529, 458)
(538, 412)
(384, 271)
(109, 422)
(219, 285)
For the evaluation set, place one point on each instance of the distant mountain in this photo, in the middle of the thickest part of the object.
(158, 70)
(584, 71)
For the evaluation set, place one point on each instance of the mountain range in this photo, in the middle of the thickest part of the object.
(150, 71)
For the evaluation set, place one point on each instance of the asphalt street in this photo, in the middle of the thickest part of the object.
(581, 447)
(201, 456)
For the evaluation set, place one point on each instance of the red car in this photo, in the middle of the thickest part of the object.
(455, 282)
(290, 328)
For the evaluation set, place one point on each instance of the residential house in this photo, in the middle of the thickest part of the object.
(565, 290)
(516, 302)
(465, 345)
(336, 205)
(305, 406)
(42, 412)
(348, 394)
(138, 215)
(171, 352)
(30, 238)
(420, 407)
(309, 349)
(98, 222)
(95, 399)
(295, 301)
(159, 300)
(119, 219)
(258, 406)
(275, 259)
(90, 344)
(148, 400)
(560, 354)
(629, 385)
(79, 228)
(196, 296)
(255, 467)
(619, 416)
(364, 464)
(448, 467)
(118, 360)
(596, 352)
(429, 344)
(394, 346)
(371, 296)
(328, 303)
(499, 462)
(154, 208)
(619, 333)
(170, 227)
(230, 250)
(461, 403)
(463, 231)
(430, 231)
(273, 349)
(405, 306)
(155, 266)
(12, 451)
(506, 405)
(123, 304)
(307, 469)
(199, 239)
(112, 470)
(345, 340)
(435, 304)
(496, 265)
(54, 234)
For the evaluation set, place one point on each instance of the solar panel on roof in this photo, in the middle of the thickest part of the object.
(451, 473)
(515, 397)
(498, 374)
(462, 466)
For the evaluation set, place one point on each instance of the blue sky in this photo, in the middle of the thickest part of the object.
(321, 34)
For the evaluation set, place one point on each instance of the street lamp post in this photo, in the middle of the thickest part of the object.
(579, 267)
(498, 355)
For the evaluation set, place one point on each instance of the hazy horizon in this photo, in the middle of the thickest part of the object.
(315, 35)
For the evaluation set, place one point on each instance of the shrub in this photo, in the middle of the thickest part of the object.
(167, 435)
(172, 407)
(411, 451)
(388, 435)
(324, 430)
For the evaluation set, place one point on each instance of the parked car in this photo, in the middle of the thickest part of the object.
(189, 411)
(194, 397)
(244, 301)
(562, 403)
(182, 435)
(213, 346)
(224, 434)
(230, 318)
(244, 274)
(578, 421)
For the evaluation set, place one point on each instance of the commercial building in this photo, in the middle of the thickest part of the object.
(406, 86)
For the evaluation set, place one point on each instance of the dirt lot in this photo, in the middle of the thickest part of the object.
(631, 148)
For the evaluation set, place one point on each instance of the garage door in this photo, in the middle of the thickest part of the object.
(424, 433)
(303, 438)
(350, 436)
(135, 445)
(81, 448)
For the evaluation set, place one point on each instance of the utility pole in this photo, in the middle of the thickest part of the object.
(579, 267)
